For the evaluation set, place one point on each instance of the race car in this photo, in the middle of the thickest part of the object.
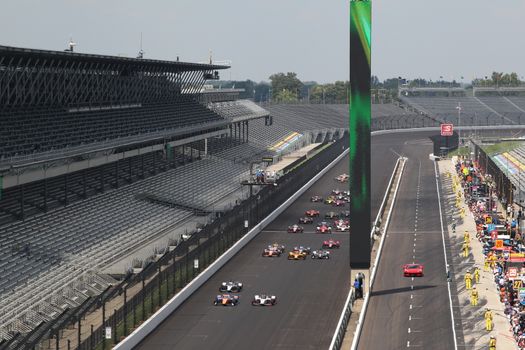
(331, 244)
(413, 270)
(343, 198)
(295, 229)
(329, 200)
(306, 250)
(321, 254)
(297, 255)
(330, 215)
(342, 225)
(226, 300)
(311, 213)
(346, 193)
(277, 246)
(323, 227)
(316, 199)
(306, 220)
(342, 178)
(231, 287)
(344, 214)
(342, 222)
(337, 192)
(271, 252)
(264, 300)
(339, 203)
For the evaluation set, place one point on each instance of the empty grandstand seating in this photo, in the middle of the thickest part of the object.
(37, 131)
(238, 110)
(483, 110)
(83, 237)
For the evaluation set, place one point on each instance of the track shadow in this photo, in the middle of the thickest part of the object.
(399, 290)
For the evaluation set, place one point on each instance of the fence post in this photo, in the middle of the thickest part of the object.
(57, 345)
(159, 276)
(125, 312)
(91, 339)
(79, 330)
(69, 344)
(115, 326)
(143, 297)
(104, 324)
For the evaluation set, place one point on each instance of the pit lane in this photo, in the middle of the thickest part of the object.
(411, 312)
(310, 293)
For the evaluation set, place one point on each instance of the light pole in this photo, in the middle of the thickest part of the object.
(459, 122)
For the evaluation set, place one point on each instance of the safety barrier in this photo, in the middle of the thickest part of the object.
(337, 339)
(148, 326)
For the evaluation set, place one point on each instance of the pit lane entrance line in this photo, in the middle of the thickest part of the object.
(445, 254)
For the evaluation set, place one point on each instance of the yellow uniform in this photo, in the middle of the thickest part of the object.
(488, 320)
(474, 297)
(492, 343)
(476, 275)
(468, 281)
(464, 248)
(487, 264)
(466, 237)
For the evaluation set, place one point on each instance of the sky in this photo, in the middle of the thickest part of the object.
(410, 38)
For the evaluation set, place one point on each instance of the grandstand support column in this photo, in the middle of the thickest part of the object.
(65, 190)
(360, 116)
(45, 194)
(205, 146)
(22, 213)
(116, 174)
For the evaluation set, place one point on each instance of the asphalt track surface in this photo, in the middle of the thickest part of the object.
(310, 293)
(407, 312)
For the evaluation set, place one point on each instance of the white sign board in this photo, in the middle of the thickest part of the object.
(108, 332)
(196, 263)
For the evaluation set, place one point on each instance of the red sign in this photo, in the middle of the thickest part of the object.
(513, 272)
(447, 129)
(499, 244)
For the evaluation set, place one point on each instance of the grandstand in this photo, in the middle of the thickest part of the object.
(478, 106)
(103, 159)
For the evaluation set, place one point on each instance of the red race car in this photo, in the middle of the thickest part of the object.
(316, 199)
(295, 229)
(311, 213)
(413, 270)
(306, 220)
(331, 244)
(323, 227)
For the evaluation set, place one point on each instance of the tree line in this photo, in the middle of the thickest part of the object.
(288, 88)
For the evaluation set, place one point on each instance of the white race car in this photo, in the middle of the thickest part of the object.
(231, 287)
(320, 254)
(264, 300)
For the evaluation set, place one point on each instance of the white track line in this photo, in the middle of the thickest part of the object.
(445, 254)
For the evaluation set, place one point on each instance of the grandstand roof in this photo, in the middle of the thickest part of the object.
(56, 58)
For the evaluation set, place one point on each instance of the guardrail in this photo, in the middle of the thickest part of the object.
(149, 325)
(337, 339)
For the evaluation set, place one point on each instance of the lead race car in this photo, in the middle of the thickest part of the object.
(231, 287)
(295, 229)
(297, 254)
(264, 300)
(226, 300)
(321, 254)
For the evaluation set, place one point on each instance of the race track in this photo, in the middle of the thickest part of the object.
(310, 293)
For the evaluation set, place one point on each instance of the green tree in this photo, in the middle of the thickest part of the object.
(285, 96)
(288, 81)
